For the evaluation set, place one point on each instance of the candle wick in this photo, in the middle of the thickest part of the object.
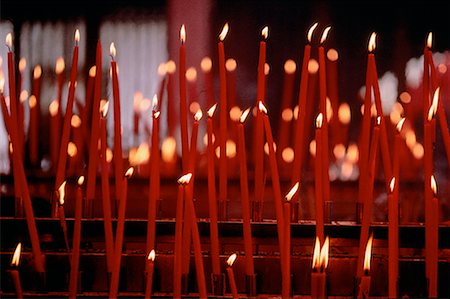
(112, 57)
(9, 48)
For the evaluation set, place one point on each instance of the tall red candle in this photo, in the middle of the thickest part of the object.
(286, 103)
(214, 231)
(286, 277)
(183, 108)
(206, 66)
(14, 272)
(150, 265)
(248, 247)
(434, 242)
(23, 94)
(223, 116)
(231, 278)
(59, 71)
(364, 285)
(5, 112)
(62, 161)
(171, 68)
(74, 265)
(33, 130)
(319, 179)
(393, 238)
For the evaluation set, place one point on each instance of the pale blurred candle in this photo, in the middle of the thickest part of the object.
(54, 132)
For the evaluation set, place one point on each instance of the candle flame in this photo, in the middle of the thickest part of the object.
(156, 114)
(8, 40)
(433, 185)
(77, 36)
(60, 65)
(344, 113)
(171, 66)
(72, 149)
(168, 148)
(372, 42)
(112, 50)
(292, 192)
(368, 254)
(32, 101)
(319, 120)
(206, 64)
(265, 32)
(62, 193)
(198, 115)
(53, 108)
(185, 179)
(244, 115)
(155, 102)
(80, 180)
(290, 66)
(151, 256)
(231, 65)
(224, 32)
(324, 254)
(183, 34)
(104, 104)
(75, 121)
(162, 69)
(16, 256)
(23, 96)
(129, 172)
(211, 110)
(392, 185)
(37, 72)
(231, 259)
(92, 71)
(311, 31)
(400, 124)
(261, 107)
(325, 34)
(316, 255)
(430, 39)
(22, 64)
(378, 121)
(434, 104)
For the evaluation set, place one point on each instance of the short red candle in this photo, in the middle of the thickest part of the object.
(14, 272)
(231, 278)
(177, 264)
(150, 266)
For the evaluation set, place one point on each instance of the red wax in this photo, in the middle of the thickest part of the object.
(16, 281)
(318, 285)
(286, 276)
(183, 109)
(319, 186)
(178, 242)
(232, 282)
(364, 287)
(149, 279)
(223, 116)
(33, 133)
(73, 280)
(118, 162)
(428, 193)
(154, 185)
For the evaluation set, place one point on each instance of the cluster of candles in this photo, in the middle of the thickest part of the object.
(374, 133)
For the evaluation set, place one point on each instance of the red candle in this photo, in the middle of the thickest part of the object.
(319, 265)
(5, 111)
(150, 266)
(344, 117)
(54, 132)
(223, 116)
(62, 161)
(248, 246)
(333, 92)
(393, 238)
(87, 112)
(171, 68)
(230, 273)
(78, 140)
(259, 128)
(214, 231)
(23, 94)
(33, 130)
(206, 66)
(231, 66)
(319, 179)
(191, 78)
(74, 265)
(286, 103)
(14, 272)
(114, 287)
(62, 217)
(154, 179)
(59, 71)
(434, 242)
(364, 286)
(183, 108)
(118, 161)
(300, 125)
(93, 145)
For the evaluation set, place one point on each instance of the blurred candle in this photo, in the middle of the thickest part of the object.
(33, 131)
(230, 273)
(393, 238)
(171, 68)
(62, 217)
(206, 66)
(364, 286)
(54, 132)
(231, 66)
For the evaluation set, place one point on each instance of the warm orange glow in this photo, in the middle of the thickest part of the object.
(442, 68)
(77, 36)
(191, 74)
(109, 155)
(62, 193)
(288, 155)
(206, 64)
(235, 113)
(60, 65)
(392, 185)
(185, 179)
(75, 121)
(37, 72)
(137, 98)
(287, 114)
(32, 101)
(313, 66)
(261, 107)
(346, 169)
(410, 138)
(400, 124)
(104, 104)
(211, 110)
(230, 148)
(324, 254)
(151, 256)
(231, 259)
(405, 97)
(312, 147)
(290, 66)
(434, 105)
(80, 180)
(344, 113)
(372, 42)
(265, 32)
(112, 50)
(319, 120)
(8, 40)
(332, 55)
(266, 147)
(418, 151)
(433, 185)
(329, 110)
(292, 192)
(316, 255)
(23, 96)
(53, 108)
(139, 155)
(171, 67)
(231, 65)
(224, 32)
(129, 172)
(266, 69)
(194, 106)
(16, 256)
(244, 115)
(325, 34)
(92, 71)
(168, 148)
(296, 112)
(339, 151)
(198, 115)
(353, 153)
(368, 254)
(311, 31)
(183, 34)
(430, 40)
(162, 69)
(22, 64)
(72, 149)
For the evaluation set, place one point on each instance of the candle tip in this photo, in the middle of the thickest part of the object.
(392, 184)
(185, 179)
(324, 254)
(80, 180)
(8, 41)
(37, 72)
(155, 102)
(319, 120)
(206, 64)
(211, 110)
(151, 256)
(224, 32)
(400, 124)
(183, 34)
(62, 193)
(77, 36)
(231, 259)
(104, 105)
(434, 104)
(244, 115)
(433, 185)
(372, 42)
(16, 256)
(60, 65)
(265, 32)
(198, 115)
(261, 107)
(292, 192)
(316, 254)
(430, 40)
(311, 31)
(368, 254)
(112, 50)
(129, 172)
(325, 34)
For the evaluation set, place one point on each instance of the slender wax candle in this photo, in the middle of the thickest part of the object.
(364, 286)
(230, 273)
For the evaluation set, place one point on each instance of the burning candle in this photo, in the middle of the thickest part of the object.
(33, 131)
(150, 266)
(154, 178)
(231, 66)
(319, 179)
(61, 213)
(14, 272)
(206, 66)
(62, 161)
(54, 131)
(393, 238)
(118, 161)
(223, 115)
(300, 131)
(286, 282)
(75, 262)
(432, 255)
(59, 71)
(364, 286)
(171, 68)
(114, 287)
(230, 273)
(183, 108)
(319, 266)
(214, 231)
(5, 110)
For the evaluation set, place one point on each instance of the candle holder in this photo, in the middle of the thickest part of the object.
(328, 211)
(18, 207)
(257, 211)
(359, 212)
(250, 285)
(218, 284)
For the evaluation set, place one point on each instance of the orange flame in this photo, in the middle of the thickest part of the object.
(185, 179)
(129, 172)
(198, 115)
(53, 108)
(231, 65)
(32, 101)
(290, 66)
(206, 64)
(392, 185)
(77, 36)
(319, 120)
(400, 124)
(92, 71)
(325, 34)
(8, 40)
(265, 32)
(316, 255)
(62, 193)
(434, 104)
(433, 185)
(80, 180)
(211, 110)
(430, 39)
(244, 115)
(372, 42)
(344, 113)
(72, 149)
(261, 107)
(171, 66)
(151, 256)
(311, 31)
(292, 192)
(224, 32)
(16, 256)
(37, 72)
(231, 259)
(104, 104)
(112, 50)
(168, 148)
(324, 254)
(368, 254)
(75, 121)
(60, 65)
(183, 34)
(22, 64)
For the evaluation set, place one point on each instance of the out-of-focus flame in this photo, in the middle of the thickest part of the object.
(8, 40)
(368, 254)
(171, 67)
(77, 36)
(185, 179)
(325, 34)
(434, 105)
(266, 147)
(287, 114)
(244, 115)
(265, 32)
(266, 69)
(418, 151)
(72, 149)
(198, 115)
(292, 192)
(231, 65)
(288, 155)
(129, 172)
(155, 102)
(194, 106)
(430, 40)
(22, 64)
(312, 147)
(392, 185)
(400, 124)
(290, 66)
(319, 120)
(140, 155)
(151, 256)
(62, 193)
(344, 113)
(433, 185)
(230, 148)
(183, 34)
(104, 104)
(60, 65)
(339, 151)
(211, 110)
(32, 101)
(231, 259)
(191, 74)
(53, 108)
(162, 69)
(372, 42)
(261, 107)
(80, 180)
(313, 66)
(23, 96)
(75, 121)
(311, 31)
(206, 64)
(92, 71)
(224, 32)
(112, 50)
(16, 256)
(37, 72)
(2, 81)
(316, 255)
(168, 148)
(235, 113)
(332, 55)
